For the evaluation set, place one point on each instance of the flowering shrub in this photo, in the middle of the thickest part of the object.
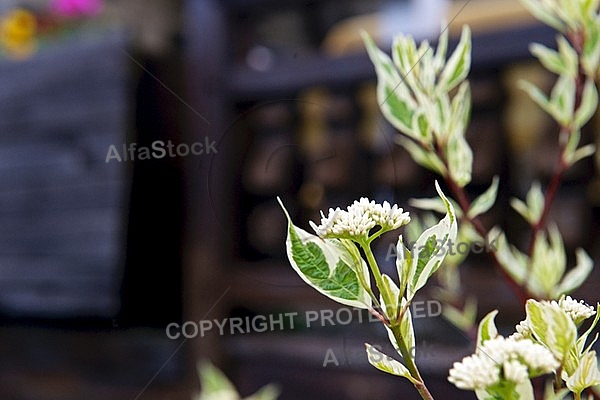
(426, 96)
(21, 30)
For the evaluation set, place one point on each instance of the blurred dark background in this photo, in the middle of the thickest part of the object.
(99, 257)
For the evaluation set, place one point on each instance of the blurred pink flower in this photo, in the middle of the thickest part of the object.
(76, 8)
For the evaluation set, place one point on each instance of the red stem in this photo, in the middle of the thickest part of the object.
(465, 204)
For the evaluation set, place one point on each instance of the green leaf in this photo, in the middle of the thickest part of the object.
(562, 100)
(532, 210)
(544, 14)
(549, 58)
(569, 56)
(548, 263)
(589, 104)
(460, 160)
(396, 108)
(391, 291)
(403, 263)
(440, 114)
(393, 96)
(536, 95)
(461, 110)
(269, 392)
(387, 364)
(327, 266)
(487, 329)
(434, 204)
(575, 277)
(486, 200)
(591, 46)
(430, 248)
(552, 327)
(581, 153)
(463, 319)
(421, 156)
(214, 384)
(421, 125)
(442, 47)
(507, 390)
(513, 261)
(407, 331)
(586, 375)
(458, 65)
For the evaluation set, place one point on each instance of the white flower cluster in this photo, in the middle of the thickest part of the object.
(502, 359)
(523, 331)
(360, 218)
(577, 310)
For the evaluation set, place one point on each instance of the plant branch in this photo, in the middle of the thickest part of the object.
(577, 40)
(376, 274)
(410, 363)
(465, 204)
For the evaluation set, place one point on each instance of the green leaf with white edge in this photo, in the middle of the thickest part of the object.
(460, 160)
(552, 327)
(532, 210)
(536, 201)
(383, 64)
(586, 374)
(548, 262)
(425, 257)
(512, 260)
(487, 329)
(440, 113)
(434, 204)
(214, 384)
(394, 99)
(581, 153)
(362, 272)
(549, 58)
(542, 13)
(486, 200)
(403, 262)
(569, 56)
(421, 125)
(269, 392)
(589, 104)
(591, 47)
(440, 54)
(387, 364)
(589, 7)
(427, 73)
(462, 319)
(536, 95)
(461, 110)
(458, 65)
(407, 330)
(389, 291)
(424, 158)
(562, 100)
(584, 336)
(576, 276)
(507, 390)
(326, 265)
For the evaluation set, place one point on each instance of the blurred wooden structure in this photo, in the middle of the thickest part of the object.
(63, 208)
